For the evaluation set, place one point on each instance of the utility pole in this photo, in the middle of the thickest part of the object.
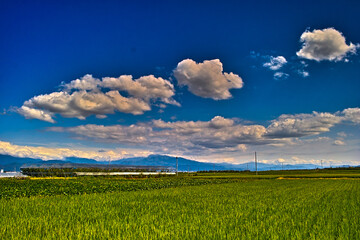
(321, 164)
(256, 164)
(177, 166)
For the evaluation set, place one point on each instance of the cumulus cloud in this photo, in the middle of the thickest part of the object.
(219, 133)
(146, 87)
(275, 63)
(207, 79)
(33, 113)
(46, 153)
(186, 136)
(91, 96)
(352, 114)
(326, 44)
(299, 125)
(87, 82)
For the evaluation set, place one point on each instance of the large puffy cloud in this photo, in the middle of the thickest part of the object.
(326, 44)
(87, 82)
(46, 153)
(81, 104)
(90, 96)
(146, 87)
(207, 79)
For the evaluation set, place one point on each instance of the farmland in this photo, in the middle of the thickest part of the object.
(198, 206)
(10, 188)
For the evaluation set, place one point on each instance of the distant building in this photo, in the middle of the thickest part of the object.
(80, 169)
(10, 174)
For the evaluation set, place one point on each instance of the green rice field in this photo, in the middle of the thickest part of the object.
(198, 206)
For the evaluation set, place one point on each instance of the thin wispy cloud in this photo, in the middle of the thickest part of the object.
(280, 75)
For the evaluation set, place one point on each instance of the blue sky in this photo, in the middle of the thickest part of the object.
(287, 60)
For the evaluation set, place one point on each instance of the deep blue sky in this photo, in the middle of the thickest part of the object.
(44, 43)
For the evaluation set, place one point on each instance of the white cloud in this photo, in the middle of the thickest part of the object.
(133, 134)
(146, 87)
(280, 75)
(217, 136)
(342, 134)
(352, 114)
(275, 63)
(87, 82)
(81, 104)
(33, 113)
(90, 96)
(300, 68)
(303, 73)
(326, 44)
(193, 137)
(197, 137)
(207, 79)
(299, 125)
(339, 143)
(46, 153)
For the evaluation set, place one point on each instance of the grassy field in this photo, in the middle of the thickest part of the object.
(188, 207)
(313, 173)
(12, 188)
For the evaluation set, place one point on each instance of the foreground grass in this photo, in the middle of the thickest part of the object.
(262, 209)
(311, 173)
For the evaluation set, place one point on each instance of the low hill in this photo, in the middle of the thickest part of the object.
(9, 163)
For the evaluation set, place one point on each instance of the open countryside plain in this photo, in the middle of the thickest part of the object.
(272, 205)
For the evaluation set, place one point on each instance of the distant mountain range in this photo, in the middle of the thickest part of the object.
(10, 163)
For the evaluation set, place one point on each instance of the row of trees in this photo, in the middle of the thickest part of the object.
(70, 172)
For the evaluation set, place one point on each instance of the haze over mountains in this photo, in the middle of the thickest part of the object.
(10, 163)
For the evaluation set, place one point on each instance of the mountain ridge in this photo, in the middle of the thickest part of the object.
(10, 163)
